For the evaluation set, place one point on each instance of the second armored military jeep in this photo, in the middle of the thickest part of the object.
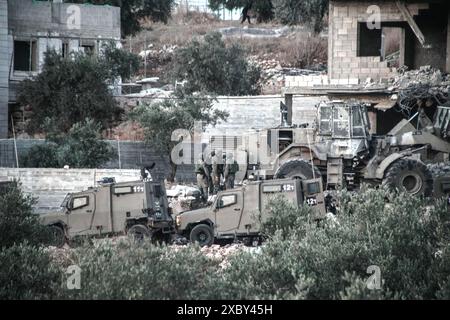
(233, 213)
(139, 208)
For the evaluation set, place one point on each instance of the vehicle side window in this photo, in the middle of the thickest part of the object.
(80, 202)
(123, 190)
(358, 126)
(227, 200)
(326, 120)
(313, 187)
(341, 119)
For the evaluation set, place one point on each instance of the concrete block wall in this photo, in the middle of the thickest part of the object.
(248, 112)
(4, 69)
(30, 17)
(306, 81)
(260, 112)
(50, 186)
(344, 66)
(133, 155)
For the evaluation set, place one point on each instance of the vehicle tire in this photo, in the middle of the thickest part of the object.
(202, 234)
(410, 176)
(139, 232)
(297, 168)
(57, 236)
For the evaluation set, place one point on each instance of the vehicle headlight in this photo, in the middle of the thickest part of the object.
(178, 220)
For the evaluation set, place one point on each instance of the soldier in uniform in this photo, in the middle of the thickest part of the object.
(217, 170)
(203, 177)
(229, 174)
(208, 165)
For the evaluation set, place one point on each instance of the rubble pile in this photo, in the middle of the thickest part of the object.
(423, 87)
(160, 54)
(439, 169)
(223, 253)
(183, 198)
(273, 74)
(426, 75)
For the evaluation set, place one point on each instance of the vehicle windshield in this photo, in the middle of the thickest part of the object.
(340, 120)
(66, 200)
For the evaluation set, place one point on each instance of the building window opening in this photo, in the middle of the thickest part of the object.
(65, 50)
(88, 47)
(369, 41)
(25, 56)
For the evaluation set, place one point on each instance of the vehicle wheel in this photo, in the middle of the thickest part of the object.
(139, 232)
(57, 236)
(297, 168)
(410, 176)
(202, 234)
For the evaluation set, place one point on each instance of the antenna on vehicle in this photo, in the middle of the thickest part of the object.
(310, 154)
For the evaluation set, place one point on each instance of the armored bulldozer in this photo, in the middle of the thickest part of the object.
(138, 208)
(340, 148)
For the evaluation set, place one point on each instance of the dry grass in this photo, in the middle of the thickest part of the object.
(300, 48)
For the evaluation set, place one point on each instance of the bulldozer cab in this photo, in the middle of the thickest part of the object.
(339, 120)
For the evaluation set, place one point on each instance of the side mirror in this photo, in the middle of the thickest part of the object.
(219, 204)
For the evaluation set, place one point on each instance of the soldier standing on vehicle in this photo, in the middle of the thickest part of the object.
(217, 170)
(229, 174)
(208, 166)
(203, 177)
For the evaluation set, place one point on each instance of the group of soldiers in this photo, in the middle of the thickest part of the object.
(213, 170)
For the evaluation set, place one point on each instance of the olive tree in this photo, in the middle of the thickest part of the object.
(159, 120)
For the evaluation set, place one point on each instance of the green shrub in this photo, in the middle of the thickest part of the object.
(307, 12)
(285, 219)
(119, 62)
(27, 272)
(211, 66)
(401, 237)
(130, 271)
(68, 91)
(270, 273)
(81, 147)
(17, 221)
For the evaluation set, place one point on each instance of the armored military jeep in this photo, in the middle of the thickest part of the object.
(138, 208)
(233, 214)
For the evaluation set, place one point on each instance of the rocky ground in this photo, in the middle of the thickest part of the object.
(221, 253)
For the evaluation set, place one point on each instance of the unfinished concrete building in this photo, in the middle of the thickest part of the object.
(368, 41)
(358, 44)
(28, 28)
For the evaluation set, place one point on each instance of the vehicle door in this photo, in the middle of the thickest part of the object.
(229, 206)
(81, 214)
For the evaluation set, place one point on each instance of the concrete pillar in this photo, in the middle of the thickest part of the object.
(4, 69)
(288, 102)
(373, 121)
(447, 59)
(401, 59)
